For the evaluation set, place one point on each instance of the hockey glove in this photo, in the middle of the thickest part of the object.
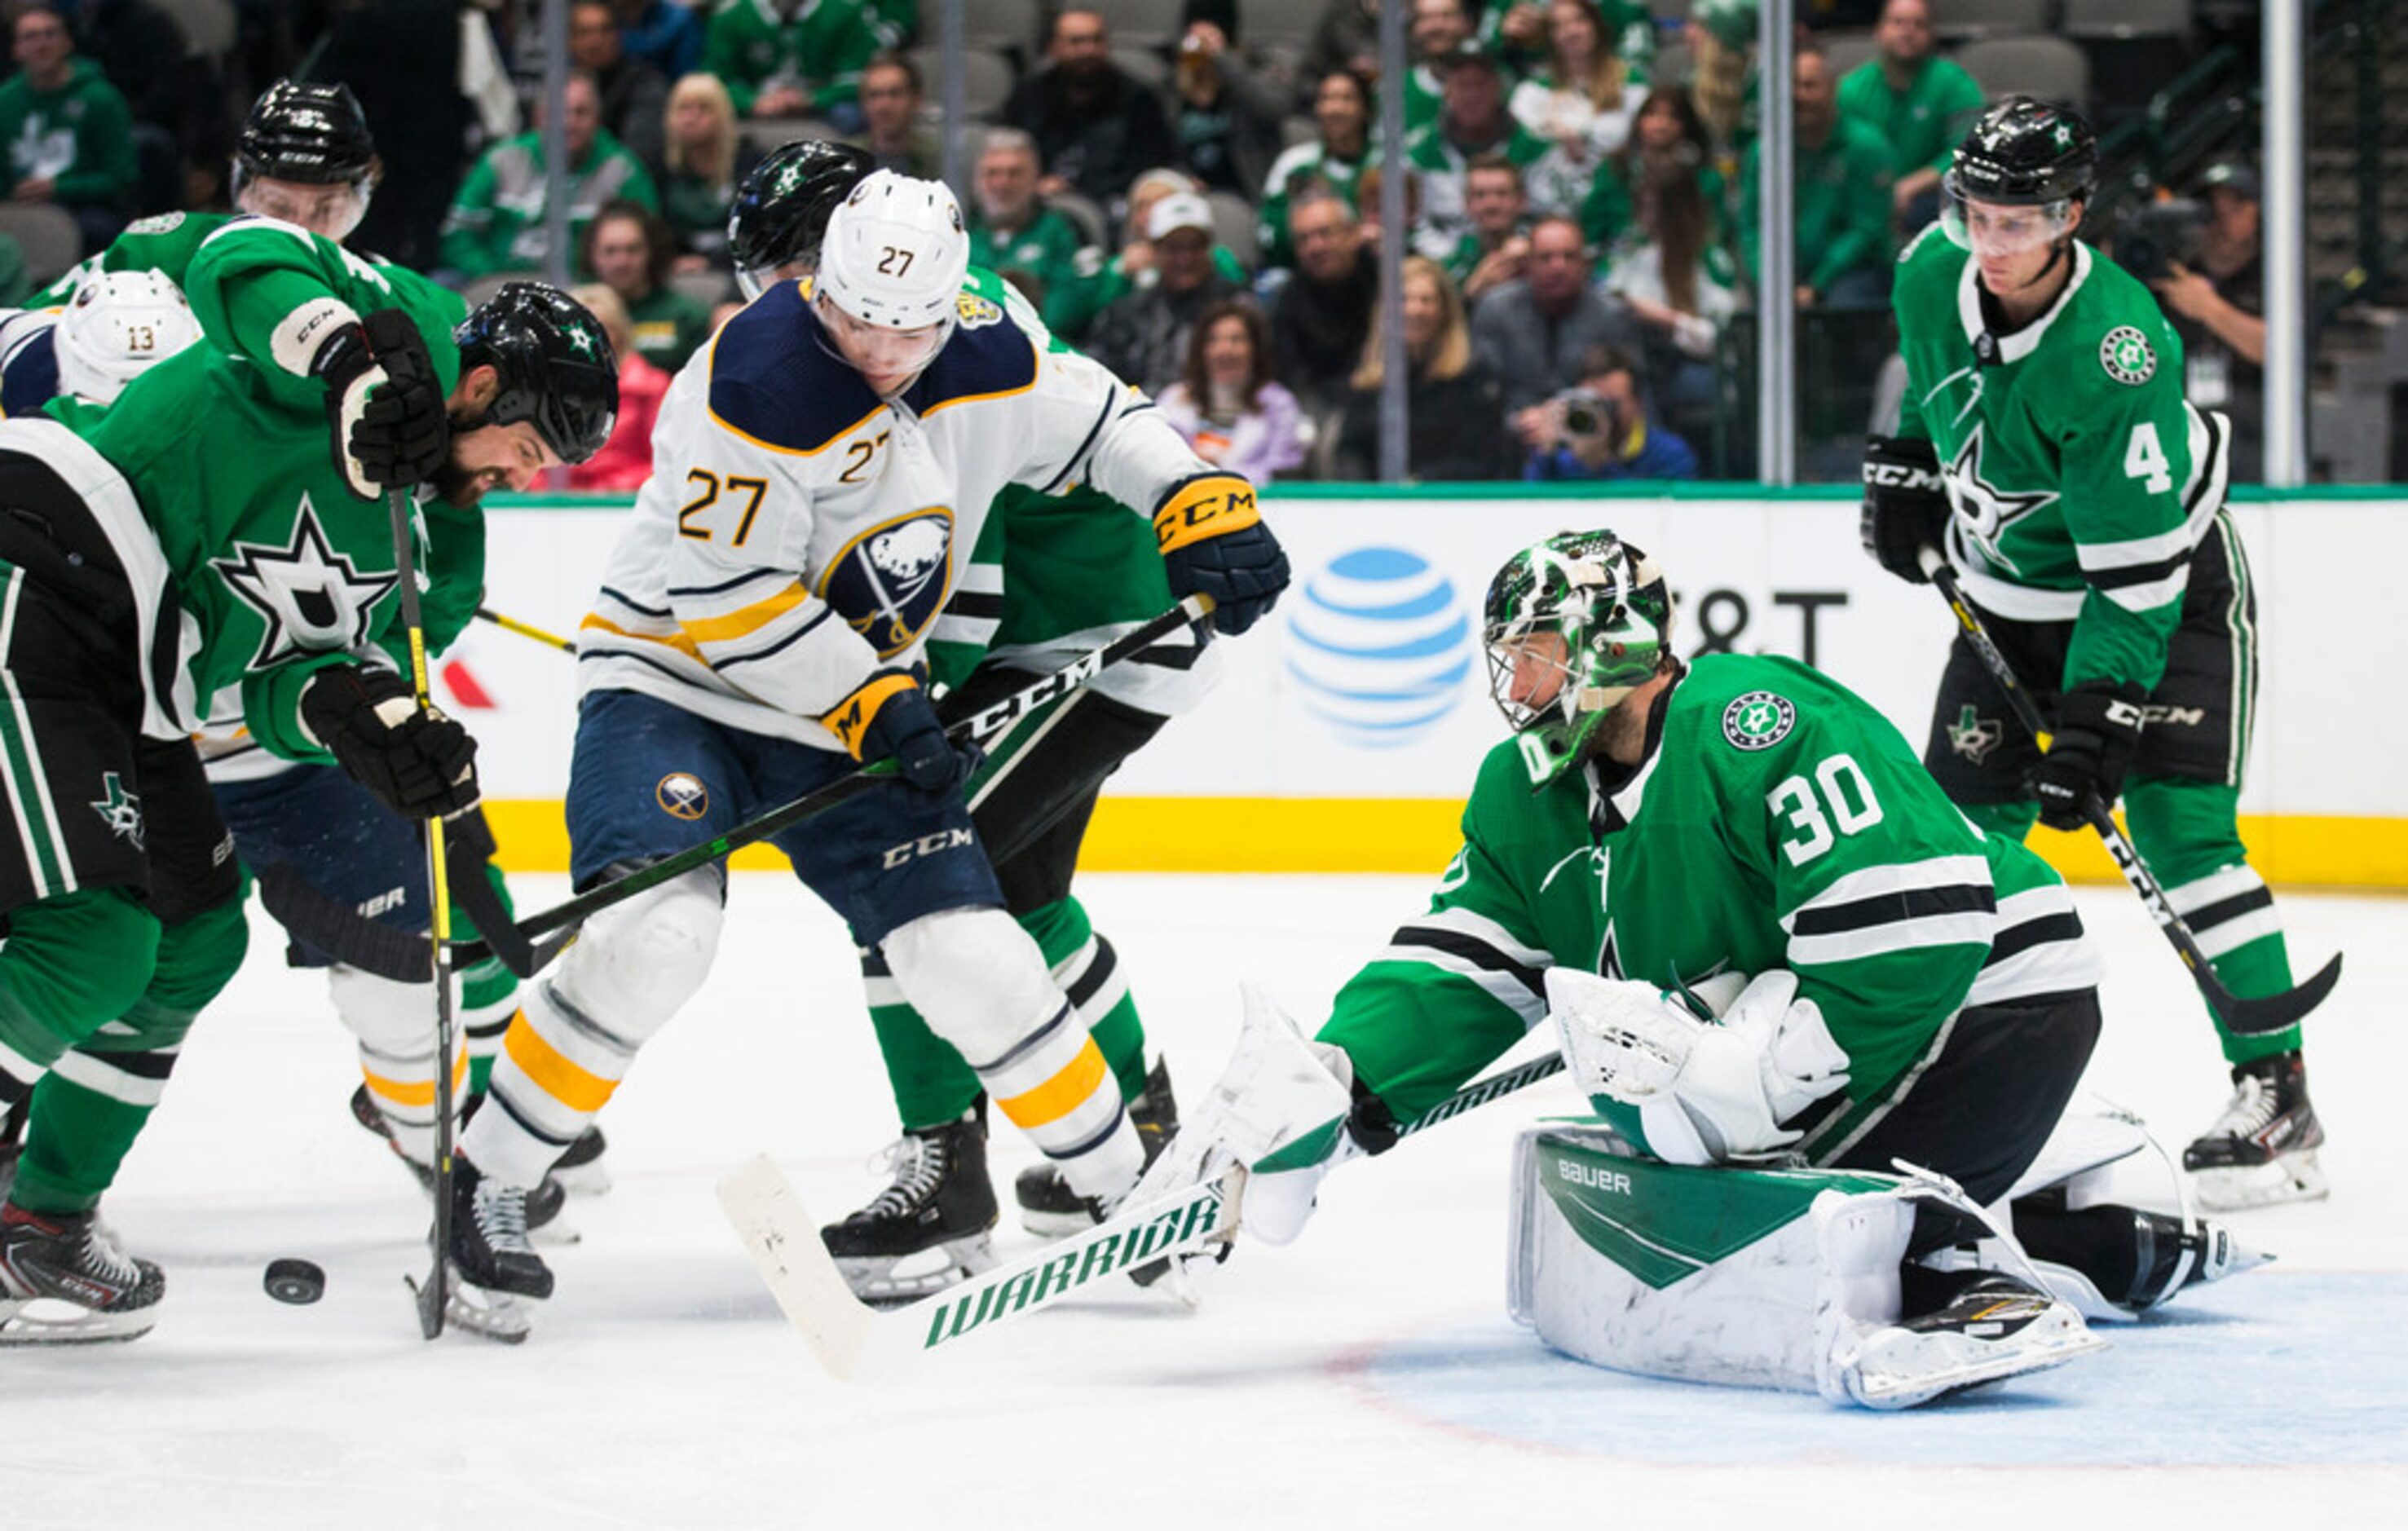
(384, 403)
(1906, 508)
(890, 714)
(2097, 729)
(1214, 542)
(412, 759)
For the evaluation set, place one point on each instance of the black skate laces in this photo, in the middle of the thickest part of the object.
(919, 1164)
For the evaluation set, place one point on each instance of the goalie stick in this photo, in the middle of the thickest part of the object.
(2248, 1017)
(539, 938)
(849, 1337)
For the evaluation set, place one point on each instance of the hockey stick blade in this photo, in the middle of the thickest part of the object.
(850, 1338)
(2246, 1017)
(1190, 612)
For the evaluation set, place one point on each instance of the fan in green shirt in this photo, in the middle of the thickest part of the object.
(70, 133)
(1012, 230)
(786, 58)
(496, 222)
(1842, 199)
(1918, 104)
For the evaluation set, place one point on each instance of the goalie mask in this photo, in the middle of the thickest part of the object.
(1573, 625)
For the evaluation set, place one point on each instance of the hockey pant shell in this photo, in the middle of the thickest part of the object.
(1031, 803)
(358, 863)
(90, 1106)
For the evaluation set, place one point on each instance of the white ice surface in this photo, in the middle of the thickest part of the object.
(1366, 1376)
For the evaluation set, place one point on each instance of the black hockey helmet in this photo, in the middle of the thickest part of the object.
(312, 133)
(555, 361)
(2024, 152)
(781, 206)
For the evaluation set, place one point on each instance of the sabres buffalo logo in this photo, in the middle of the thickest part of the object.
(682, 796)
(890, 581)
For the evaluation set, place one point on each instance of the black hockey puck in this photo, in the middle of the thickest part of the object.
(295, 1282)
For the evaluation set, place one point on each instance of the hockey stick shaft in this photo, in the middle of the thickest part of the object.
(2247, 1016)
(527, 630)
(433, 1297)
(849, 1337)
(983, 725)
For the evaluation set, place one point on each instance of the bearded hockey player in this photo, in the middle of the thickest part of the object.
(152, 582)
(2046, 448)
(1893, 986)
(1052, 576)
(821, 473)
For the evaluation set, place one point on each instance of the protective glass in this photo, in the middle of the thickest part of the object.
(2001, 229)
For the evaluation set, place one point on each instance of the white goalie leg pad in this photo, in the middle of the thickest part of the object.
(1280, 1107)
(395, 1023)
(634, 965)
(981, 983)
(1706, 1091)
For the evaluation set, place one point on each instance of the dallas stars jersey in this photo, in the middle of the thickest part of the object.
(166, 244)
(1054, 576)
(274, 567)
(2081, 477)
(1782, 823)
(798, 532)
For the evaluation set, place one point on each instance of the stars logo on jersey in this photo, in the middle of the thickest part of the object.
(2126, 355)
(1975, 737)
(311, 597)
(1986, 509)
(1759, 721)
(682, 796)
(120, 809)
(890, 581)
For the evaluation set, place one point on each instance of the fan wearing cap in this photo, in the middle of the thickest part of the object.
(2217, 304)
(214, 550)
(2046, 450)
(821, 473)
(1142, 336)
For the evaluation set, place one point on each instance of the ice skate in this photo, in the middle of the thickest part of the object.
(2262, 1149)
(1997, 1327)
(12, 1145)
(489, 1236)
(64, 1281)
(2167, 1255)
(1051, 1209)
(929, 1228)
(543, 1203)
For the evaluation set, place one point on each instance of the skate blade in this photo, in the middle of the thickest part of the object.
(54, 1321)
(890, 1283)
(1887, 1392)
(2293, 1177)
(498, 1316)
(592, 1179)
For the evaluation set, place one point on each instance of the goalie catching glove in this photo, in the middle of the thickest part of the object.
(1906, 504)
(1213, 543)
(412, 759)
(1707, 1091)
(384, 403)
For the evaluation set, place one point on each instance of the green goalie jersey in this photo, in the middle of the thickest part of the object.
(274, 569)
(1781, 823)
(1079, 568)
(2082, 479)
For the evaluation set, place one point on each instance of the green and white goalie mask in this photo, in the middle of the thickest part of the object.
(1574, 624)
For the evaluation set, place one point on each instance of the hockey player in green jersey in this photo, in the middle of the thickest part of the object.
(2045, 448)
(153, 581)
(1915, 989)
(1051, 576)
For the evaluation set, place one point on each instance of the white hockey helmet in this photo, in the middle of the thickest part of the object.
(895, 253)
(117, 324)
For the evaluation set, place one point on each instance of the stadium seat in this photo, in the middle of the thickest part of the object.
(987, 80)
(1964, 21)
(209, 25)
(1287, 23)
(2049, 68)
(1235, 221)
(46, 235)
(1137, 24)
(2124, 20)
(1844, 50)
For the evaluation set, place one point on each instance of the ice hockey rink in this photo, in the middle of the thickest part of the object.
(1367, 1374)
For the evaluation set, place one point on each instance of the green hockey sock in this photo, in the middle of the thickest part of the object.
(2188, 833)
(71, 963)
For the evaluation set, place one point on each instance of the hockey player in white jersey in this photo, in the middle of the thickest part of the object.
(821, 473)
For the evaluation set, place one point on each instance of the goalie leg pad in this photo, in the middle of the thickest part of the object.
(982, 985)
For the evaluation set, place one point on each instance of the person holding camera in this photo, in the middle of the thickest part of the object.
(2046, 451)
(1602, 430)
(2216, 301)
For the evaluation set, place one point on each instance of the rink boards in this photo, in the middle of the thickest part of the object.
(1346, 729)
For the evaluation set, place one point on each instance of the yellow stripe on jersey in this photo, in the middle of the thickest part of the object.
(1058, 1096)
(558, 1075)
(415, 1091)
(678, 642)
(1205, 508)
(750, 619)
(849, 719)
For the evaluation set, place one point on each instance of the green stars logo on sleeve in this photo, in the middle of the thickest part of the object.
(2126, 355)
(1759, 721)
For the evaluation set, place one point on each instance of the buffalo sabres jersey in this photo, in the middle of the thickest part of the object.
(799, 533)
